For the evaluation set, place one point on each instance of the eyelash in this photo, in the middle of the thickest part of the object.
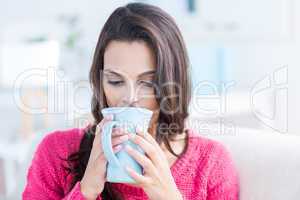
(148, 83)
(117, 83)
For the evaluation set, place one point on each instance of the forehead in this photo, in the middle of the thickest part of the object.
(129, 58)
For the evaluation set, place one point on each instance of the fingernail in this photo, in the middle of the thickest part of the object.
(118, 147)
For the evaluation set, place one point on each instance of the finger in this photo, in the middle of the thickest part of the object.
(119, 140)
(144, 161)
(147, 136)
(140, 179)
(99, 128)
(102, 122)
(100, 158)
(116, 144)
(97, 149)
(151, 151)
(117, 132)
(117, 148)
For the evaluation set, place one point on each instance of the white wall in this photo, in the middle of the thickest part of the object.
(260, 36)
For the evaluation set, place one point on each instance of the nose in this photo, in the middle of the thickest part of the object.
(130, 98)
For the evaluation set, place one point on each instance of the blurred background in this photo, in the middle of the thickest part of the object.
(244, 58)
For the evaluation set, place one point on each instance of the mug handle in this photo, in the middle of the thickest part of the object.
(107, 144)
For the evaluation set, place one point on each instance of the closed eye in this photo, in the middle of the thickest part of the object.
(147, 83)
(115, 83)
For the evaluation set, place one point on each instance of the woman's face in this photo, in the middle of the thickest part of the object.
(128, 75)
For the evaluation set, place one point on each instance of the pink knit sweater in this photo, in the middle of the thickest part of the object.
(204, 172)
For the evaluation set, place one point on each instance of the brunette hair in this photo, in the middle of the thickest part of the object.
(150, 24)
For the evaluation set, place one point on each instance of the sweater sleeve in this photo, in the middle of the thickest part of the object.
(76, 194)
(45, 175)
(223, 181)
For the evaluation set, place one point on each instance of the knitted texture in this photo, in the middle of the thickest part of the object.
(204, 172)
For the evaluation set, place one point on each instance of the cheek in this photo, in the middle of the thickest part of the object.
(150, 103)
(113, 95)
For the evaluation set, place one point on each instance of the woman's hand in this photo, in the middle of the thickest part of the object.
(157, 180)
(92, 183)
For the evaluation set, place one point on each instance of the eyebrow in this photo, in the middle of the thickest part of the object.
(140, 75)
(112, 72)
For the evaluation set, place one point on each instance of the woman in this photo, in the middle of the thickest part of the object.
(140, 60)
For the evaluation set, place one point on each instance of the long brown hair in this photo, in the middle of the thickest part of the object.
(148, 23)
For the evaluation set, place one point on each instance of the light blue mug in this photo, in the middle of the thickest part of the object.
(129, 118)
